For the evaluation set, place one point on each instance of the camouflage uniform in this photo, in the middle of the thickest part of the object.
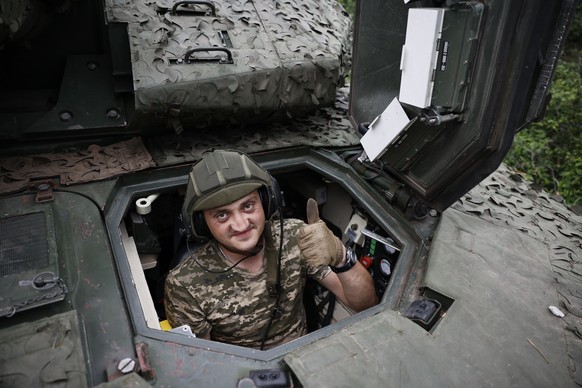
(235, 304)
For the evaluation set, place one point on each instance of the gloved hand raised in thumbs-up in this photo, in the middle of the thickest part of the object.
(318, 244)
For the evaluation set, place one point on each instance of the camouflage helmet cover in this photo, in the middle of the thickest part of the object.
(222, 177)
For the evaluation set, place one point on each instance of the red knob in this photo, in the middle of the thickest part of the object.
(366, 261)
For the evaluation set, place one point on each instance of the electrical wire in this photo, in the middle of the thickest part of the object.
(251, 254)
(276, 310)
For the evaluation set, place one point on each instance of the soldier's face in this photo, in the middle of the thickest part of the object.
(238, 226)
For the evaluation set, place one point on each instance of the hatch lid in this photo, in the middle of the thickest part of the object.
(468, 76)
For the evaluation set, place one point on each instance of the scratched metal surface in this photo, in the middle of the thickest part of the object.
(506, 199)
(504, 253)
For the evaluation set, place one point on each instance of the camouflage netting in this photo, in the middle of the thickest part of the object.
(506, 199)
(327, 127)
(94, 163)
(270, 57)
(44, 353)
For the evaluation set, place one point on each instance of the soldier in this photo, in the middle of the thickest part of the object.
(245, 285)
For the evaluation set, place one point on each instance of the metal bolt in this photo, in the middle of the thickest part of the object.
(127, 365)
(92, 66)
(433, 213)
(65, 115)
(246, 382)
(112, 113)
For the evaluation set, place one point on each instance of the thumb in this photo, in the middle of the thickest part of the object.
(312, 211)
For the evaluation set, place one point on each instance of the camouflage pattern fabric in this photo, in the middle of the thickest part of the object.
(43, 353)
(92, 164)
(235, 304)
(326, 127)
(284, 58)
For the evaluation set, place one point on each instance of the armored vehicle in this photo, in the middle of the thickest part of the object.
(395, 121)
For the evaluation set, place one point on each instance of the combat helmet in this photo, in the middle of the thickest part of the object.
(222, 177)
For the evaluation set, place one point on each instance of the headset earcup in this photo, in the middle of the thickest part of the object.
(199, 227)
(270, 198)
(276, 195)
(195, 227)
(185, 228)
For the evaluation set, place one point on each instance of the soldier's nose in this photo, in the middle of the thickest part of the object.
(239, 221)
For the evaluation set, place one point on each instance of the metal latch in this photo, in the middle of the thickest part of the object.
(44, 190)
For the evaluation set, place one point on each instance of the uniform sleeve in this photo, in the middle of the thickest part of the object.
(182, 309)
(318, 273)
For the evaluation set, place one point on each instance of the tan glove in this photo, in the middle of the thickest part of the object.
(318, 245)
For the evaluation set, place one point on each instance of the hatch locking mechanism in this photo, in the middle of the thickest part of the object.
(266, 378)
(44, 190)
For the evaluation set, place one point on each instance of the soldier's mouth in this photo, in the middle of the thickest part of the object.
(245, 234)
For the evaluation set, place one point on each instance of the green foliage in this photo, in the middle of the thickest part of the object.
(550, 151)
(349, 5)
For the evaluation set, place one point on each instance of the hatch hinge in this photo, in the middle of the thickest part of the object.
(433, 118)
(174, 120)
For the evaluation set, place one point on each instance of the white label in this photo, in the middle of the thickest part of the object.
(419, 55)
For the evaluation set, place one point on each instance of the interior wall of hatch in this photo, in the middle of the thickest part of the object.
(35, 41)
(51, 54)
(158, 238)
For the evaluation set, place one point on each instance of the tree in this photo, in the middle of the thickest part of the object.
(550, 151)
(349, 5)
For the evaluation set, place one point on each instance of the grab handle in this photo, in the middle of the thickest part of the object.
(209, 4)
(218, 58)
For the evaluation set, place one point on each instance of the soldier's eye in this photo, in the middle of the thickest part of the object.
(221, 216)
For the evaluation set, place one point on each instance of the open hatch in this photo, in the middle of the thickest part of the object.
(145, 231)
